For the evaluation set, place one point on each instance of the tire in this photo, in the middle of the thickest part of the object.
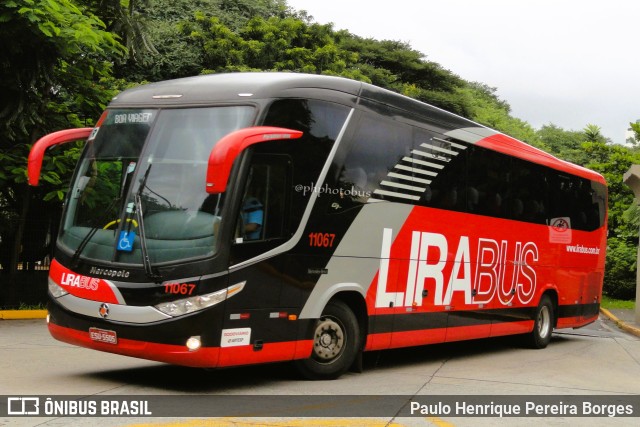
(336, 342)
(543, 324)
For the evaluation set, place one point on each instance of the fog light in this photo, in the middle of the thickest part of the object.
(48, 318)
(194, 343)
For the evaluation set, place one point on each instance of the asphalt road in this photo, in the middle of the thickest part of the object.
(597, 360)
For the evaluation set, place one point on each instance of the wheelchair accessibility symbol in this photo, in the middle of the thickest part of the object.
(125, 242)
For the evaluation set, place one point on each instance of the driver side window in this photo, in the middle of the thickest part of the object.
(265, 199)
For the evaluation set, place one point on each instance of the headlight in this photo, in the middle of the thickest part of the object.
(56, 290)
(199, 302)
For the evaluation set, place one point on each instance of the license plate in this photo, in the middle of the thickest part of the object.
(103, 335)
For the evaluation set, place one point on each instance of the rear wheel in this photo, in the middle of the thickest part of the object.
(543, 323)
(336, 342)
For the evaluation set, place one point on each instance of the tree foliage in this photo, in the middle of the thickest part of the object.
(58, 51)
(566, 144)
(291, 44)
(55, 72)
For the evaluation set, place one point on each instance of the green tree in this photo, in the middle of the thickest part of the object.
(290, 44)
(277, 44)
(56, 48)
(565, 144)
(394, 65)
(593, 133)
(236, 13)
(123, 18)
(612, 161)
(620, 277)
(171, 24)
(293, 44)
(635, 127)
(55, 73)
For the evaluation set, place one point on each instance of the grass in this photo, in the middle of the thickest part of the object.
(610, 303)
(24, 306)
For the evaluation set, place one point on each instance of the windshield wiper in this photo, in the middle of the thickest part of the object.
(105, 216)
(85, 240)
(148, 267)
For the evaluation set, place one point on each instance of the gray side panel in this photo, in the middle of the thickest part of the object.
(471, 135)
(357, 259)
(117, 312)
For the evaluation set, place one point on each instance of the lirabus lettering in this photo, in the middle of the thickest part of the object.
(503, 270)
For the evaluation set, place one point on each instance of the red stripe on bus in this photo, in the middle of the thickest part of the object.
(91, 288)
(575, 322)
(173, 354)
(389, 340)
(270, 352)
(512, 147)
(206, 357)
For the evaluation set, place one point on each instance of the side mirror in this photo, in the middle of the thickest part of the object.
(36, 155)
(229, 147)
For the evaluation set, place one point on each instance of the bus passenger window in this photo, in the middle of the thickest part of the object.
(442, 162)
(580, 200)
(369, 168)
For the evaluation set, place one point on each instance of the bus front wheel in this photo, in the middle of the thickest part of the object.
(543, 323)
(336, 342)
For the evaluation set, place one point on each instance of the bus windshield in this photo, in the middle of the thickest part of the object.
(139, 190)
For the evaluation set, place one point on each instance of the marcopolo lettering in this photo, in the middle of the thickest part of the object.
(109, 272)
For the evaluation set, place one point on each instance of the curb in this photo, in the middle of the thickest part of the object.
(622, 325)
(22, 314)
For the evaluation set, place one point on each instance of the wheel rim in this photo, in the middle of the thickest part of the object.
(329, 340)
(544, 322)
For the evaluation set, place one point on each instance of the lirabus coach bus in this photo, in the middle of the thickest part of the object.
(233, 219)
